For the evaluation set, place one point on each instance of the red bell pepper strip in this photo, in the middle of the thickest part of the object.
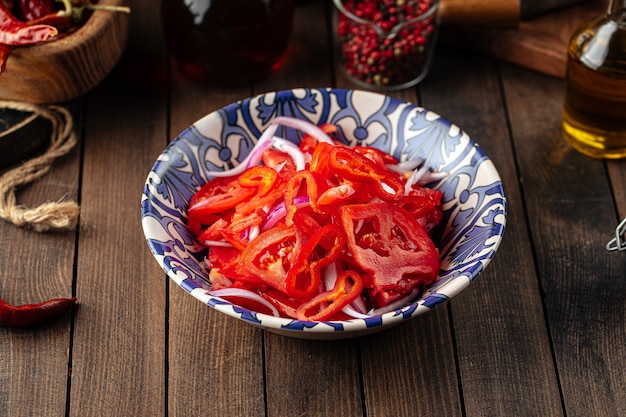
(376, 155)
(28, 315)
(260, 177)
(391, 246)
(354, 166)
(292, 190)
(15, 32)
(425, 205)
(324, 306)
(319, 160)
(323, 248)
(218, 195)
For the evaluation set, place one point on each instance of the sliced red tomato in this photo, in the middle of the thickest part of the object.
(268, 256)
(273, 158)
(387, 242)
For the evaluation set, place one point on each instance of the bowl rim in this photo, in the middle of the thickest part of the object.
(356, 326)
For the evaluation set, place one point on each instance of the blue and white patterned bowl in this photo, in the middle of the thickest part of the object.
(473, 199)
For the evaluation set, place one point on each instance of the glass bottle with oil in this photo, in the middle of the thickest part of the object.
(594, 111)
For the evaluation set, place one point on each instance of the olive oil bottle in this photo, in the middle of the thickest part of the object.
(594, 111)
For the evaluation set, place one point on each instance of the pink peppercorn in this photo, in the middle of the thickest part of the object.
(387, 43)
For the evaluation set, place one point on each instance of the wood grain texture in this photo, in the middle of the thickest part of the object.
(35, 267)
(513, 369)
(541, 332)
(118, 356)
(571, 215)
(68, 67)
(539, 44)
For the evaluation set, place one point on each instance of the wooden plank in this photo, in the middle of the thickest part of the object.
(118, 357)
(219, 356)
(410, 370)
(617, 171)
(571, 212)
(38, 266)
(312, 378)
(501, 338)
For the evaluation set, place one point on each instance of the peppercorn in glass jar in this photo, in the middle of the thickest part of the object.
(386, 44)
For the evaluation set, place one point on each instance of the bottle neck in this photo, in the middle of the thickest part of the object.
(616, 5)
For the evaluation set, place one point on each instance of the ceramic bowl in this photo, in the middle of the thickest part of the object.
(473, 198)
(68, 67)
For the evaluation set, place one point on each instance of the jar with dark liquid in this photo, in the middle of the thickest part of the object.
(230, 42)
(594, 111)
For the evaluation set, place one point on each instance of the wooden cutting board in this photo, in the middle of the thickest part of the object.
(539, 43)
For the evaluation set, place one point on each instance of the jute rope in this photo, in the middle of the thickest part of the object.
(49, 215)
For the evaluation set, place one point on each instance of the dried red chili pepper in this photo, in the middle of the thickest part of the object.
(15, 32)
(34, 9)
(28, 315)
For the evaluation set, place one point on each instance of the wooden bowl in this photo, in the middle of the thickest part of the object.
(66, 68)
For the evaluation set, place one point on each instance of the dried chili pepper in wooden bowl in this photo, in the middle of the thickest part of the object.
(89, 40)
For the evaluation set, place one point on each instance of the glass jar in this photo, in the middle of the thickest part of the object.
(387, 44)
(225, 41)
(594, 110)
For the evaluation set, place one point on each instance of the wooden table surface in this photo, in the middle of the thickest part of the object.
(542, 332)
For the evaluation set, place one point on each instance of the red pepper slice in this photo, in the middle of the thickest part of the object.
(260, 177)
(15, 32)
(309, 143)
(323, 248)
(389, 244)
(425, 205)
(218, 195)
(285, 305)
(293, 189)
(376, 155)
(353, 166)
(327, 304)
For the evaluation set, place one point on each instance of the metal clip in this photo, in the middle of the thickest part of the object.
(619, 241)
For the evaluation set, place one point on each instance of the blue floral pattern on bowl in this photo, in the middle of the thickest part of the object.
(473, 198)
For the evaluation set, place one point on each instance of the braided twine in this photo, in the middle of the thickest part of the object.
(49, 215)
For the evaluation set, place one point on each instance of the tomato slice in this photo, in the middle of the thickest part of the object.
(389, 244)
(268, 256)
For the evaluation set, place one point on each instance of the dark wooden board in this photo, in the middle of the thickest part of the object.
(539, 44)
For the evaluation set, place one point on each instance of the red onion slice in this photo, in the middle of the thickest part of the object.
(304, 126)
(279, 211)
(253, 157)
(290, 149)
